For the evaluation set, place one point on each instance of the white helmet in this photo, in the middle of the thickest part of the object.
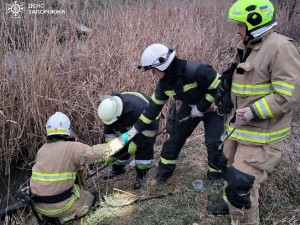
(110, 109)
(58, 123)
(157, 56)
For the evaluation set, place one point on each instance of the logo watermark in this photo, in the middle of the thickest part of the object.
(17, 7)
(40, 9)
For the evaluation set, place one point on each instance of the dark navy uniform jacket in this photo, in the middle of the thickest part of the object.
(191, 82)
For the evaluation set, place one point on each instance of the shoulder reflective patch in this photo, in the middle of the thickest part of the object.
(138, 95)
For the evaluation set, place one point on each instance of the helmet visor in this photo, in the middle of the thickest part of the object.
(158, 62)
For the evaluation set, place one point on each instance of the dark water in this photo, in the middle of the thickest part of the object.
(18, 178)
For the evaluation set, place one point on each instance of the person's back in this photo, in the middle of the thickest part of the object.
(52, 184)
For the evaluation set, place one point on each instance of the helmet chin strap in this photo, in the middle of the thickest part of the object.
(248, 37)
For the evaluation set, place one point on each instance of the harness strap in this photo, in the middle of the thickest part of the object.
(52, 198)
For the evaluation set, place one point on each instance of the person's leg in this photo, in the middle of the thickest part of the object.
(143, 160)
(118, 167)
(79, 207)
(249, 162)
(173, 145)
(217, 162)
(221, 208)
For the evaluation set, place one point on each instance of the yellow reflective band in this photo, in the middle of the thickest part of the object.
(166, 161)
(156, 101)
(257, 137)
(158, 116)
(65, 219)
(170, 93)
(56, 130)
(66, 207)
(145, 119)
(215, 83)
(213, 170)
(98, 161)
(225, 198)
(49, 177)
(209, 98)
(138, 95)
(107, 139)
(248, 89)
(283, 88)
(149, 133)
(264, 109)
(189, 86)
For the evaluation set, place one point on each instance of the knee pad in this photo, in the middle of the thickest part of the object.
(238, 189)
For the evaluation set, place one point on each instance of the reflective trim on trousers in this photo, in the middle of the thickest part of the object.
(213, 170)
(166, 161)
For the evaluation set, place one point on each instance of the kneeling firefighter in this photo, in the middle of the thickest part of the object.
(263, 85)
(52, 183)
(194, 84)
(118, 113)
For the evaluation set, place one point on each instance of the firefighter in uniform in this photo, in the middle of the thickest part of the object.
(264, 88)
(54, 173)
(195, 85)
(119, 112)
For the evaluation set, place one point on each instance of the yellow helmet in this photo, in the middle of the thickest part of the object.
(255, 13)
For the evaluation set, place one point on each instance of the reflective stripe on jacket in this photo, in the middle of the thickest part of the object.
(192, 82)
(267, 81)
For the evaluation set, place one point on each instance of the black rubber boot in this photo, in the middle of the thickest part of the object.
(140, 174)
(116, 171)
(215, 178)
(220, 208)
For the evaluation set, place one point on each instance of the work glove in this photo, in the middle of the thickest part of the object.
(109, 160)
(132, 148)
(195, 112)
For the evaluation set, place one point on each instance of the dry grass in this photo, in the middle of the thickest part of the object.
(45, 67)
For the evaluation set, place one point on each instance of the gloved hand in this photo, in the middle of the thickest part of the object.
(109, 160)
(129, 135)
(132, 148)
(195, 112)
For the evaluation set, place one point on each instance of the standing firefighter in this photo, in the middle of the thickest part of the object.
(118, 113)
(264, 88)
(54, 173)
(195, 85)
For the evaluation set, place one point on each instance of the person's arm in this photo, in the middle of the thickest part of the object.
(207, 79)
(285, 67)
(152, 110)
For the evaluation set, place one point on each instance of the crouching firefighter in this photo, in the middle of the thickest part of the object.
(194, 84)
(119, 112)
(263, 84)
(52, 183)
